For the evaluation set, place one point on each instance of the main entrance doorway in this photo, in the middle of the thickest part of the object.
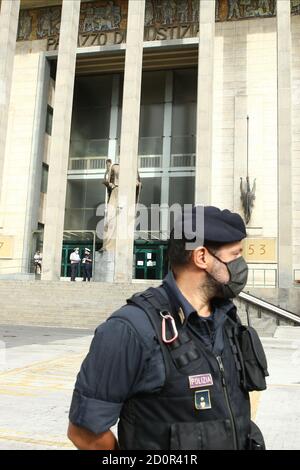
(73, 239)
(150, 259)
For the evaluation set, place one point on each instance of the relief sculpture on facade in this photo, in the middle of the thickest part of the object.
(48, 23)
(171, 12)
(25, 25)
(295, 7)
(230, 10)
(100, 18)
(105, 22)
(170, 19)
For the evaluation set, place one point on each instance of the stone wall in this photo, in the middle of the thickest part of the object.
(19, 155)
(245, 83)
(296, 139)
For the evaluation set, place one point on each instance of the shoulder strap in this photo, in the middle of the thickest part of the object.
(182, 351)
(151, 306)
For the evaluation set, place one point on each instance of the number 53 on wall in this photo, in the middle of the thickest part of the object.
(260, 250)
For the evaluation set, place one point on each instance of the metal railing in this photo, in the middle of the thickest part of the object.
(275, 310)
(87, 163)
(185, 160)
(150, 161)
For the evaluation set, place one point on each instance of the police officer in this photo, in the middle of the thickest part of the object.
(75, 261)
(87, 265)
(166, 364)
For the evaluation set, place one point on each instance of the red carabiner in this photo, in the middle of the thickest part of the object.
(165, 318)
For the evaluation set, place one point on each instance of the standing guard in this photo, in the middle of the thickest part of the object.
(87, 265)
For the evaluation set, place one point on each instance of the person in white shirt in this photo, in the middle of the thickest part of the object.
(75, 261)
(38, 262)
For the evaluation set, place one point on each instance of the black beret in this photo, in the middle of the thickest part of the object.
(221, 226)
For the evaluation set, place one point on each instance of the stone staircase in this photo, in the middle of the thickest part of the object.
(264, 321)
(285, 338)
(86, 305)
(63, 304)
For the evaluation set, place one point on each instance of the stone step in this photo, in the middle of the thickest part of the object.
(275, 343)
(288, 333)
(86, 305)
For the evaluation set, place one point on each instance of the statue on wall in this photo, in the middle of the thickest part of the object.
(257, 8)
(182, 11)
(110, 15)
(44, 24)
(100, 18)
(195, 11)
(107, 18)
(234, 9)
(48, 22)
(264, 5)
(111, 181)
(295, 7)
(106, 180)
(168, 11)
(88, 22)
(247, 194)
(149, 13)
(247, 197)
(25, 25)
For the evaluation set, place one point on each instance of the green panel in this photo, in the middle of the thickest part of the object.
(150, 259)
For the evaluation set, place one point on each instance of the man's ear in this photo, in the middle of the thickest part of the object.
(199, 257)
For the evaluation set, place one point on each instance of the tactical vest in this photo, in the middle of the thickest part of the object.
(202, 404)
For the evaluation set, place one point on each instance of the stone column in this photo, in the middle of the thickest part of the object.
(60, 140)
(129, 141)
(205, 102)
(166, 157)
(9, 17)
(284, 117)
(114, 115)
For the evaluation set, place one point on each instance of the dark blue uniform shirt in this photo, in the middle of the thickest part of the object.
(123, 361)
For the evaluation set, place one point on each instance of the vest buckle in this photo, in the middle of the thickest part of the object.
(172, 326)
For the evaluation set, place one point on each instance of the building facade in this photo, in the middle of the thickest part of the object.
(200, 97)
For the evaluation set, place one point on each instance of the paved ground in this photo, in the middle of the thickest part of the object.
(36, 383)
(38, 367)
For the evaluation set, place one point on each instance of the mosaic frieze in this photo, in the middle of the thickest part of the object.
(97, 17)
(100, 22)
(104, 22)
(39, 23)
(169, 12)
(231, 10)
(170, 19)
(25, 25)
(295, 7)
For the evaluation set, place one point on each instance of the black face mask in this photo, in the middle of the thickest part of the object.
(238, 271)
